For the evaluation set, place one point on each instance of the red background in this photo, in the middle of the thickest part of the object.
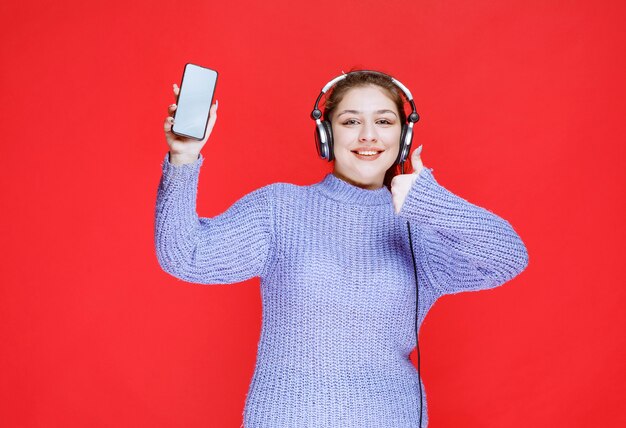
(522, 108)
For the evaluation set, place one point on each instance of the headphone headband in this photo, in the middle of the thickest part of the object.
(317, 114)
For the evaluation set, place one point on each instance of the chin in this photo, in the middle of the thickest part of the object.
(369, 171)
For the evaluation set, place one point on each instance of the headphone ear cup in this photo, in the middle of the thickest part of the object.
(329, 136)
(323, 140)
(406, 139)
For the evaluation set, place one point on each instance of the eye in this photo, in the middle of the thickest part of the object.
(385, 122)
(350, 122)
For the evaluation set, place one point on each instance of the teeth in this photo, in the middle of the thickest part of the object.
(368, 153)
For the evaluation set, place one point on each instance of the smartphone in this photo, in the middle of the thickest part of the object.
(197, 87)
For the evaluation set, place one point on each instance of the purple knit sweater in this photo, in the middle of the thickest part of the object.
(337, 286)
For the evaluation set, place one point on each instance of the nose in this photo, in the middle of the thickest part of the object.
(368, 133)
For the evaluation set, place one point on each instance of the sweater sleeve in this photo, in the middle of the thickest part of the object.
(467, 248)
(231, 247)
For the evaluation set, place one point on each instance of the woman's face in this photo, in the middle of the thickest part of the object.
(366, 119)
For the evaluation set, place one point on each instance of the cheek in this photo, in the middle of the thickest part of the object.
(343, 137)
(392, 138)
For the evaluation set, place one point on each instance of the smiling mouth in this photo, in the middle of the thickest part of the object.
(367, 154)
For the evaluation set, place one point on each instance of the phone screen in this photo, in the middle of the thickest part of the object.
(191, 116)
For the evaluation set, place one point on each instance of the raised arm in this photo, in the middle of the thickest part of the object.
(231, 247)
(467, 248)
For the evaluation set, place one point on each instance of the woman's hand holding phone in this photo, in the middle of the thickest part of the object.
(185, 150)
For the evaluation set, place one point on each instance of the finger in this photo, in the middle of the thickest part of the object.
(171, 109)
(213, 114)
(416, 160)
(212, 119)
(176, 90)
(167, 126)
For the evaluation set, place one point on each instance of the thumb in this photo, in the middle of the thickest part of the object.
(416, 160)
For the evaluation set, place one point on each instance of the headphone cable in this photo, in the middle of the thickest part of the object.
(419, 377)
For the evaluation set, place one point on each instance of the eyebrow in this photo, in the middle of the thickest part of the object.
(359, 112)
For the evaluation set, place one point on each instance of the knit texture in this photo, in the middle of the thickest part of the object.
(337, 286)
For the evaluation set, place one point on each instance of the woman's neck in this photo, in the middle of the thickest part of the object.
(362, 185)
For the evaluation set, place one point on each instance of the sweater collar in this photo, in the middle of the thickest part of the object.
(342, 191)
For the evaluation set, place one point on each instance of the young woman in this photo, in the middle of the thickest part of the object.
(336, 264)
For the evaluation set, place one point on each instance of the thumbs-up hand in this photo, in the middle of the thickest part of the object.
(401, 184)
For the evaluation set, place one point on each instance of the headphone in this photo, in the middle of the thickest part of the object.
(324, 132)
(324, 145)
